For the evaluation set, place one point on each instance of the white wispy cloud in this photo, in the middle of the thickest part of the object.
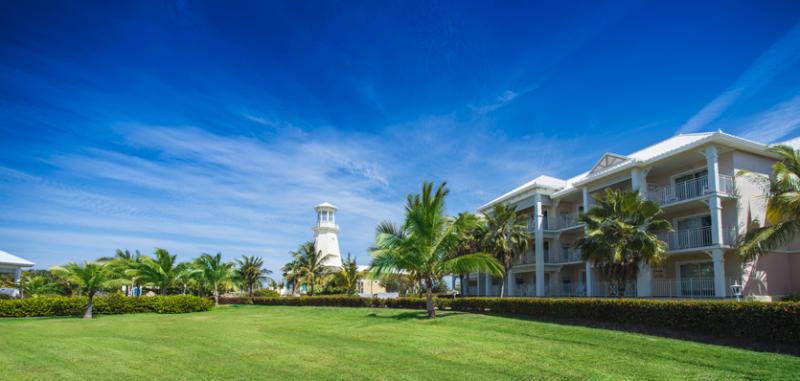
(781, 55)
(190, 190)
(775, 123)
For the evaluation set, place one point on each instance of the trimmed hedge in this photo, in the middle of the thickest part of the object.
(110, 305)
(766, 322)
(776, 322)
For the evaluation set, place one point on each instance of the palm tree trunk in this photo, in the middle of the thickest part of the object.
(503, 286)
(251, 290)
(88, 313)
(164, 290)
(216, 296)
(429, 303)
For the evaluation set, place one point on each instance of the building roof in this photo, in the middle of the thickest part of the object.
(541, 182)
(325, 205)
(613, 163)
(13, 260)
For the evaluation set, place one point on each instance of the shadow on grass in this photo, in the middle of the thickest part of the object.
(415, 315)
(733, 342)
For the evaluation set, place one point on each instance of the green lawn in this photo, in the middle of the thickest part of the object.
(279, 343)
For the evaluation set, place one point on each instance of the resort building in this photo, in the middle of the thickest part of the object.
(694, 179)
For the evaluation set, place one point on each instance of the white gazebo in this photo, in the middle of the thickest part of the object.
(12, 264)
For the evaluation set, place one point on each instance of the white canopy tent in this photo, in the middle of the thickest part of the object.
(12, 264)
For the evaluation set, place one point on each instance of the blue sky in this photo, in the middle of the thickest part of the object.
(206, 127)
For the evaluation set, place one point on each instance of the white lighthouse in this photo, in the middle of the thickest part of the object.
(326, 234)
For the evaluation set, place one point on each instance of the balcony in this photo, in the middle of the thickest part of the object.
(695, 238)
(566, 255)
(568, 220)
(688, 190)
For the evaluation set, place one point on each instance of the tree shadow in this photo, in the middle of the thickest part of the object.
(732, 342)
(415, 315)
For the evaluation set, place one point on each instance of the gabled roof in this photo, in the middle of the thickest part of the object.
(608, 160)
(13, 260)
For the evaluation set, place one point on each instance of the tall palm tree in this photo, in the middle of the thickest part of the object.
(348, 276)
(782, 224)
(427, 242)
(91, 277)
(163, 270)
(292, 273)
(212, 271)
(621, 234)
(506, 237)
(250, 273)
(311, 265)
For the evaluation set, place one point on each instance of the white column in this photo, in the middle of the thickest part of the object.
(589, 276)
(639, 182)
(17, 275)
(539, 242)
(487, 284)
(644, 280)
(714, 203)
(712, 163)
(510, 286)
(718, 256)
(586, 199)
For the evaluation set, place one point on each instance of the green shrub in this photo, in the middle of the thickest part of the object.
(793, 297)
(767, 322)
(110, 305)
(266, 293)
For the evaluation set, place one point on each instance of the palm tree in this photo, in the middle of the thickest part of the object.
(291, 272)
(212, 272)
(162, 270)
(250, 273)
(426, 245)
(39, 285)
(121, 262)
(91, 277)
(621, 234)
(349, 275)
(506, 236)
(311, 266)
(783, 207)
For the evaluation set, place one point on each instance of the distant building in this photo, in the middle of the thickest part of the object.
(12, 264)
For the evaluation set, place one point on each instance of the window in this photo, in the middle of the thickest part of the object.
(697, 279)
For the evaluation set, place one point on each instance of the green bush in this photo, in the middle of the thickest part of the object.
(110, 305)
(266, 293)
(793, 297)
(767, 322)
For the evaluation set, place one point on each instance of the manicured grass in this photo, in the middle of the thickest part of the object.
(280, 343)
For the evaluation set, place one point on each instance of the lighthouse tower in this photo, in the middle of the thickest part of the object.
(326, 234)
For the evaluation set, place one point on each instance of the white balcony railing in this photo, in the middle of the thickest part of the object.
(694, 238)
(604, 288)
(567, 254)
(683, 288)
(686, 190)
(568, 220)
